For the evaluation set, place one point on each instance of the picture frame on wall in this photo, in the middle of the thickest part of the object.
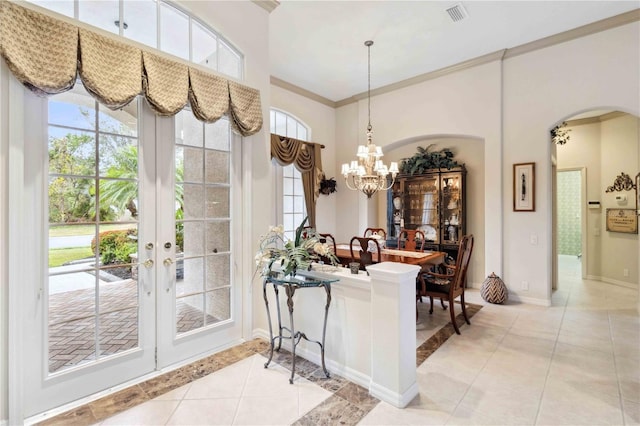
(524, 187)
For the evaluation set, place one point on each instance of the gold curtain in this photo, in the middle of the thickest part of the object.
(307, 157)
(109, 69)
(46, 54)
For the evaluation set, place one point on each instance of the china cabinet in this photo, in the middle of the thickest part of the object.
(433, 202)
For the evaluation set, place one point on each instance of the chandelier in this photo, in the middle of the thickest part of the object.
(368, 174)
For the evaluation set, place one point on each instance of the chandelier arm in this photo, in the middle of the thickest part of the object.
(353, 188)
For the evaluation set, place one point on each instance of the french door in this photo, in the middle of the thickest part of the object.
(132, 261)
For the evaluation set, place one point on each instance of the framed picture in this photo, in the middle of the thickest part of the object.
(622, 220)
(524, 187)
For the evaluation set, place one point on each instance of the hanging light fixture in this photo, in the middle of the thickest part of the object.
(368, 174)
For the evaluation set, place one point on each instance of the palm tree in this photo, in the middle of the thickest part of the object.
(120, 188)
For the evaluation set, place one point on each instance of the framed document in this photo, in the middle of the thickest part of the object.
(622, 220)
(524, 187)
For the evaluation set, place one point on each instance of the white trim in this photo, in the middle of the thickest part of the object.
(348, 373)
(515, 297)
(15, 221)
(4, 276)
(583, 213)
(396, 399)
(612, 281)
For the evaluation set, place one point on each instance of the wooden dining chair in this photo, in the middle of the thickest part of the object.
(375, 231)
(331, 241)
(411, 239)
(362, 246)
(450, 285)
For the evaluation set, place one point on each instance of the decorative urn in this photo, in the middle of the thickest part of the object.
(494, 290)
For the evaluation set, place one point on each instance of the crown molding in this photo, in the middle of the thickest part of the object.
(598, 119)
(424, 77)
(302, 92)
(585, 30)
(268, 5)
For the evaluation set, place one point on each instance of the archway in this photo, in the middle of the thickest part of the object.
(467, 149)
(602, 144)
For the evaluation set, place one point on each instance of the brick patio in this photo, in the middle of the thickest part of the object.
(72, 330)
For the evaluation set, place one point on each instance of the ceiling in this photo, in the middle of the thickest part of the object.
(319, 45)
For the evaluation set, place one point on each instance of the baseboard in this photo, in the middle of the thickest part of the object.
(394, 398)
(529, 300)
(612, 281)
(350, 374)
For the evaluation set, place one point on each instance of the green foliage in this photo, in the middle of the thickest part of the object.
(426, 159)
(116, 246)
(71, 199)
(560, 134)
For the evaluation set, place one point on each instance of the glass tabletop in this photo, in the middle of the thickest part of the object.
(298, 280)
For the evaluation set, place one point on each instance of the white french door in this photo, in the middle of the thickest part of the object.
(131, 266)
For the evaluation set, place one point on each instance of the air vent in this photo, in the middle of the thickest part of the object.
(457, 12)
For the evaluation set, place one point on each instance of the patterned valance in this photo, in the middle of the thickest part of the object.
(47, 54)
(307, 157)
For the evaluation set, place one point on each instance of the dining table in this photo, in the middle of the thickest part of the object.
(420, 258)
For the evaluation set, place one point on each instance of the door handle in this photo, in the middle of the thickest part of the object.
(146, 280)
(172, 276)
(148, 263)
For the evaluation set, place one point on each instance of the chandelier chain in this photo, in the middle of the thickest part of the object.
(369, 43)
(368, 173)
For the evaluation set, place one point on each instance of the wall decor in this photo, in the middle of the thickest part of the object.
(622, 220)
(524, 187)
(623, 182)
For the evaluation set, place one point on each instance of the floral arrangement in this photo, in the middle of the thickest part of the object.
(294, 255)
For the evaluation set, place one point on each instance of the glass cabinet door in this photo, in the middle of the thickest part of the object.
(452, 217)
(421, 206)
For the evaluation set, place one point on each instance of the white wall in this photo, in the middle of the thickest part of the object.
(583, 150)
(620, 139)
(540, 89)
(321, 119)
(463, 104)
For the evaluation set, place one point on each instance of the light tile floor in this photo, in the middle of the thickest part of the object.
(574, 363)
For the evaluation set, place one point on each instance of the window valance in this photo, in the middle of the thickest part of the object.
(307, 157)
(47, 55)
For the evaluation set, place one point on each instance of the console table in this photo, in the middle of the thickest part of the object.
(290, 285)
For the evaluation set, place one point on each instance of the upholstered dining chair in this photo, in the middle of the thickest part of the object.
(411, 239)
(375, 231)
(361, 245)
(449, 286)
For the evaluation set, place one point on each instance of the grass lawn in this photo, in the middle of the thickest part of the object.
(57, 257)
(72, 230)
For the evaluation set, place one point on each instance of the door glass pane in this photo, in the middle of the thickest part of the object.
(102, 14)
(93, 302)
(174, 31)
(203, 225)
(141, 17)
(217, 305)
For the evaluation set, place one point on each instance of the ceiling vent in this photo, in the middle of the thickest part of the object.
(457, 12)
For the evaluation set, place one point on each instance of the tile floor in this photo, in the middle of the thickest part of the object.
(576, 362)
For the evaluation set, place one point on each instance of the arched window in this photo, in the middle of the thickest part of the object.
(158, 24)
(291, 209)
